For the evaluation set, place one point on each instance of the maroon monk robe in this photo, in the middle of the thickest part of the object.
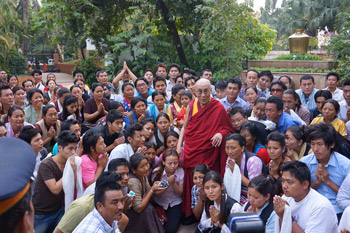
(198, 149)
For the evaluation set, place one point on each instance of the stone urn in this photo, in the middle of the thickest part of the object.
(298, 42)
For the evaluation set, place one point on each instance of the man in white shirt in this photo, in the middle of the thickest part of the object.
(134, 144)
(108, 209)
(332, 81)
(344, 113)
(310, 211)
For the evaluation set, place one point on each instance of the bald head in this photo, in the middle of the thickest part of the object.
(202, 82)
(203, 91)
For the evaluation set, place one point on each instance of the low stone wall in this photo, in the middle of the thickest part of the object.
(320, 78)
(322, 65)
(65, 68)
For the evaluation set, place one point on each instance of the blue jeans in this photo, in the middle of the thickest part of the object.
(46, 223)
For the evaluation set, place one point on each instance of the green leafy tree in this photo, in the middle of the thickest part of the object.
(232, 35)
(340, 44)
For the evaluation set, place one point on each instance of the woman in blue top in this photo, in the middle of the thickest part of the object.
(261, 190)
(138, 111)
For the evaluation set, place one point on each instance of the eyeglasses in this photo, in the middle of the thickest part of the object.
(142, 85)
(276, 90)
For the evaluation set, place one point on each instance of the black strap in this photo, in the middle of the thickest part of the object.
(265, 214)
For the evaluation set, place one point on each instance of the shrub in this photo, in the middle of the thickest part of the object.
(298, 57)
(17, 63)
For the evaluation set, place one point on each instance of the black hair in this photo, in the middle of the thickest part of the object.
(235, 81)
(113, 115)
(253, 130)
(205, 70)
(333, 74)
(147, 120)
(221, 84)
(115, 105)
(280, 83)
(147, 70)
(47, 81)
(12, 109)
(9, 219)
(10, 76)
(63, 91)
(68, 123)
(266, 73)
(237, 137)
(176, 66)
(27, 133)
(235, 110)
(135, 161)
(162, 114)
(215, 177)
(186, 93)
(150, 144)
(177, 88)
(257, 72)
(188, 71)
(295, 96)
(286, 76)
(2, 124)
(188, 79)
(137, 99)
(178, 77)
(46, 108)
(130, 131)
(77, 71)
(4, 87)
(202, 168)
(31, 92)
(168, 134)
(260, 100)
(37, 72)
(90, 139)
(69, 99)
(105, 182)
(253, 88)
(277, 137)
(141, 79)
(95, 85)
(346, 82)
(78, 79)
(100, 71)
(27, 80)
(323, 131)
(299, 170)
(66, 137)
(335, 104)
(299, 132)
(158, 79)
(265, 184)
(114, 163)
(127, 84)
(74, 86)
(158, 92)
(307, 77)
(323, 93)
(277, 101)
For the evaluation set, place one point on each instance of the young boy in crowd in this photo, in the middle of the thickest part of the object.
(220, 89)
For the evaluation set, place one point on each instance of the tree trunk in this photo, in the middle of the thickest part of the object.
(25, 27)
(172, 27)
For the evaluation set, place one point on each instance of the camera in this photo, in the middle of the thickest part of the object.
(245, 223)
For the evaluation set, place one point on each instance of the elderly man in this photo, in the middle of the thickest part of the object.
(205, 127)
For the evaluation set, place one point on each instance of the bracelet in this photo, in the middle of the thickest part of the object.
(151, 191)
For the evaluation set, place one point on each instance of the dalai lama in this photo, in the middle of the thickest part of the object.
(205, 128)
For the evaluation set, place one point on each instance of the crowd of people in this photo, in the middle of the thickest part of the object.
(146, 154)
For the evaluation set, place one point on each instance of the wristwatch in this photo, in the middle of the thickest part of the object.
(293, 219)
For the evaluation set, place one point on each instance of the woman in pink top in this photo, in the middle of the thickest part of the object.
(94, 158)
